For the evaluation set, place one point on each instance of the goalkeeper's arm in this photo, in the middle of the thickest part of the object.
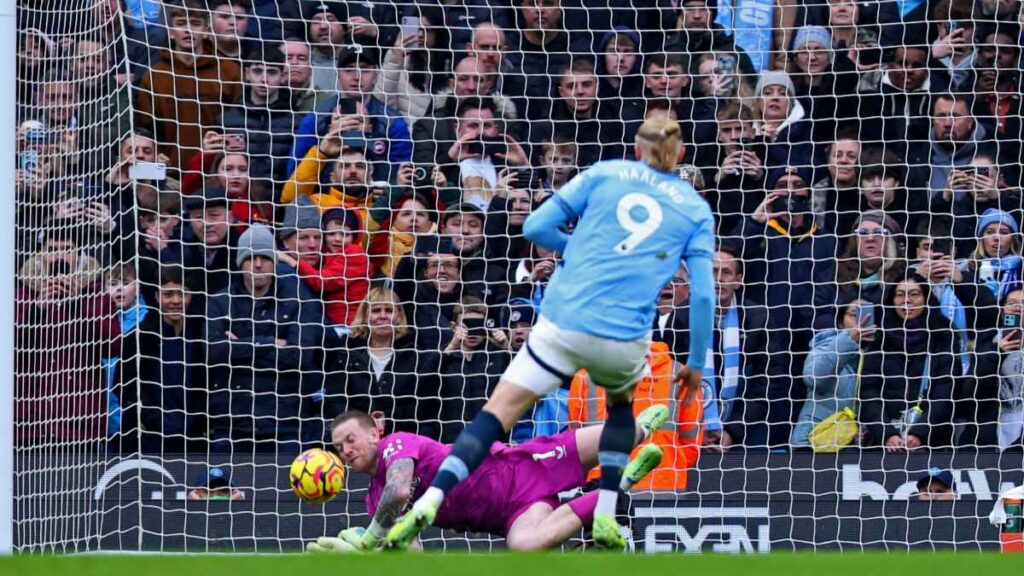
(393, 498)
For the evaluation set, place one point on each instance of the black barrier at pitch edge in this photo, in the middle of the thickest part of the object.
(737, 502)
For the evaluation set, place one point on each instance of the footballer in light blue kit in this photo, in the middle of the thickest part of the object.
(635, 221)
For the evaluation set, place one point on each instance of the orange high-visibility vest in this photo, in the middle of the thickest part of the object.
(680, 438)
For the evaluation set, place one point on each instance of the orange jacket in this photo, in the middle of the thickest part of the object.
(305, 181)
(680, 439)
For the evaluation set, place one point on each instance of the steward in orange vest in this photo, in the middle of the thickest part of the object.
(680, 438)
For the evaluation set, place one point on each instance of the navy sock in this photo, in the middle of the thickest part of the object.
(617, 441)
(469, 450)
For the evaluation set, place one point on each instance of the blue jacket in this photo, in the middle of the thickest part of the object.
(390, 139)
(830, 373)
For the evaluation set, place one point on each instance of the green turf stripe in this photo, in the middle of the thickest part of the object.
(570, 564)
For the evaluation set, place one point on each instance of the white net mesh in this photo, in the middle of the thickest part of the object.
(238, 219)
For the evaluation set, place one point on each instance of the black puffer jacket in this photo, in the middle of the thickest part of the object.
(891, 380)
(406, 391)
(257, 387)
(269, 130)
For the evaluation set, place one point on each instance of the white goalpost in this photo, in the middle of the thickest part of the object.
(8, 32)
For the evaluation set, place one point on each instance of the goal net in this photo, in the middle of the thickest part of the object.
(238, 219)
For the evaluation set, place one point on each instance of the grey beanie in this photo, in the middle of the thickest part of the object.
(774, 78)
(302, 215)
(808, 34)
(883, 220)
(258, 240)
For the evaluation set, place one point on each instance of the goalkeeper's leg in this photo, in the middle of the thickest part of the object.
(505, 408)
(540, 527)
(588, 438)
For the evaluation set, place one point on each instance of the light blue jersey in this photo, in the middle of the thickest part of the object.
(635, 225)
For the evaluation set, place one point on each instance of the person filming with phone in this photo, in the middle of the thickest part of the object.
(968, 308)
(971, 191)
(471, 365)
(481, 147)
(791, 259)
(833, 365)
(954, 49)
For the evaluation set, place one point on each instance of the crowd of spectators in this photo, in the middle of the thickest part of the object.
(340, 223)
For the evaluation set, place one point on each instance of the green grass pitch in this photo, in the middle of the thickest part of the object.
(568, 564)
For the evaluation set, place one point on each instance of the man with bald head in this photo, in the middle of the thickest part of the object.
(488, 45)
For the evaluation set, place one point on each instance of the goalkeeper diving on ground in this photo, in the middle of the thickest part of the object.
(514, 493)
(632, 224)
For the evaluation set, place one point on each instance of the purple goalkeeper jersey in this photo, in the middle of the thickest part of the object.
(509, 481)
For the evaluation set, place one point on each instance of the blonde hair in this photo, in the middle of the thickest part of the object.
(659, 141)
(380, 295)
(979, 251)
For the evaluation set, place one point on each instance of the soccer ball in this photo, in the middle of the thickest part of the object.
(317, 476)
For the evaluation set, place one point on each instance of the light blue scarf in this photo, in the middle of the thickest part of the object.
(718, 400)
(132, 317)
(1007, 277)
(749, 22)
(144, 11)
(953, 309)
(908, 6)
(130, 320)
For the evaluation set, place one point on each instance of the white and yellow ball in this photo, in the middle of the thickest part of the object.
(317, 476)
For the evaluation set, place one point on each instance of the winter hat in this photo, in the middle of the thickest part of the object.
(302, 215)
(258, 240)
(464, 208)
(347, 217)
(335, 7)
(935, 474)
(356, 54)
(211, 196)
(995, 216)
(214, 477)
(804, 173)
(774, 78)
(266, 54)
(883, 220)
(520, 311)
(808, 34)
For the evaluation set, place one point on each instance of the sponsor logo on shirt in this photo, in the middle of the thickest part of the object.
(393, 447)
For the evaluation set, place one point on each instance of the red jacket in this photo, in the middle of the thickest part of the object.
(342, 282)
(59, 388)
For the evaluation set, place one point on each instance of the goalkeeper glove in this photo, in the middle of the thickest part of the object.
(362, 538)
(326, 544)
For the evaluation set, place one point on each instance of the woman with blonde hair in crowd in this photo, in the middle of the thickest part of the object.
(996, 261)
(380, 368)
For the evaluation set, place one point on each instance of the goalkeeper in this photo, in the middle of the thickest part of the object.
(513, 494)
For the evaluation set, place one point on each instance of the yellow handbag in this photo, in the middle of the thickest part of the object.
(835, 432)
(840, 429)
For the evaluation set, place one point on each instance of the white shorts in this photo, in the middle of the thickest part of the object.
(553, 355)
